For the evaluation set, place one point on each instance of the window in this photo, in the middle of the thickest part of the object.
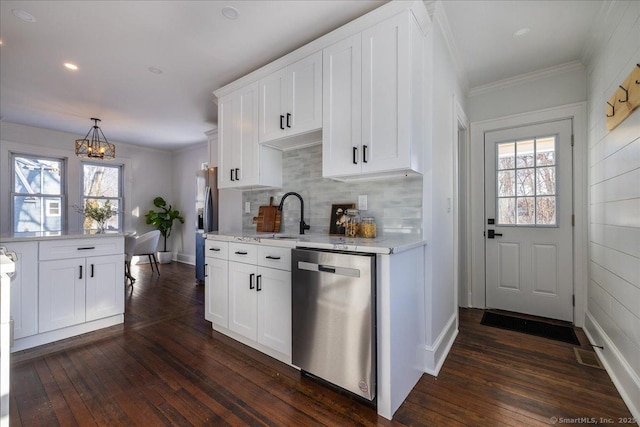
(38, 194)
(526, 182)
(102, 184)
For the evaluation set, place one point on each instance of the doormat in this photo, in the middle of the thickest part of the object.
(531, 327)
(587, 358)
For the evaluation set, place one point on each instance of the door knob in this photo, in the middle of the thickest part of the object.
(492, 234)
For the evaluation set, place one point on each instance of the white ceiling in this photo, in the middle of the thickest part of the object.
(115, 42)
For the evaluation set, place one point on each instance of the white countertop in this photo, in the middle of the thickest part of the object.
(388, 244)
(47, 235)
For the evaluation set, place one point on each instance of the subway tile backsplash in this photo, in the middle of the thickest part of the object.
(396, 203)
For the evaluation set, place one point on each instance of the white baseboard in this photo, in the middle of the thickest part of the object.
(185, 258)
(436, 354)
(624, 378)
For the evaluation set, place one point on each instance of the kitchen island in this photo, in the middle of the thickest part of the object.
(400, 299)
(64, 285)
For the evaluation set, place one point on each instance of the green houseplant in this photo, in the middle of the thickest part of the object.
(92, 211)
(163, 218)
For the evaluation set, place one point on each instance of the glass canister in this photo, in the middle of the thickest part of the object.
(368, 227)
(352, 224)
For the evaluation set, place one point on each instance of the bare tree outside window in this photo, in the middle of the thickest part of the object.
(526, 182)
(102, 184)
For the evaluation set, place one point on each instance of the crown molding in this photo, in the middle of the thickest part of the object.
(527, 77)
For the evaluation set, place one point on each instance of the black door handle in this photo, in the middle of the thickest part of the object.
(259, 281)
(281, 122)
(251, 281)
(231, 170)
(80, 273)
(272, 257)
(215, 249)
(491, 234)
(364, 154)
(288, 120)
(237, 170)
(205, 270)
(355, 155)
(240, 252)
(91, 270)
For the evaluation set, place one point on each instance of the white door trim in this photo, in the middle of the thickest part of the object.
(577, 112)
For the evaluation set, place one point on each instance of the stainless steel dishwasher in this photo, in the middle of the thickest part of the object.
(334, 318)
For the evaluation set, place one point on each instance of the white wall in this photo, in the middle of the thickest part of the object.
(185, 163)
(613, 307)
(562, 85)
(147, 172)
(444, 90)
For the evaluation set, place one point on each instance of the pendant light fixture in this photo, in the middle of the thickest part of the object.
(95, 148)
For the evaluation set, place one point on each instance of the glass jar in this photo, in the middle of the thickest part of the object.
(352, 224)
(368, 227)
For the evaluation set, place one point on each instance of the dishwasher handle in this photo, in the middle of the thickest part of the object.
(322, 268)
(326, 268)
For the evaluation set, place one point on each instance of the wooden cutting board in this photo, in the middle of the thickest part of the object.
(268, 219)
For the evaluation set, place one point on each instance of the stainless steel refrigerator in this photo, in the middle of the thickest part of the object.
(206, 213)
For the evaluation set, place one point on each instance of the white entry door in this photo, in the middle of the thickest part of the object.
(528, 220)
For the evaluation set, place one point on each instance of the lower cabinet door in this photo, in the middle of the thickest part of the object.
(216, 291)
(61, 294)
(243, 299)
(274, 309)
(104, 286)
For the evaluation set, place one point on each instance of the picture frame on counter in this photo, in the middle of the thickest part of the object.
(338, 217)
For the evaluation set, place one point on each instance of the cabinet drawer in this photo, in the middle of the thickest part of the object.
(74, 248)
(216, 249)
(274, 257)
(243, 252)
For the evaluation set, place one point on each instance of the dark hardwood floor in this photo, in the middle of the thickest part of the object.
(165, 366)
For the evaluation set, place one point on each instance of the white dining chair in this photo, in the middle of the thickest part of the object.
(145, 244)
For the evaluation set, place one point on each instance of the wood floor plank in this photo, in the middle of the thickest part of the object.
(166, 366)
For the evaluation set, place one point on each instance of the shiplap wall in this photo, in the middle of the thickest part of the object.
(613, 307)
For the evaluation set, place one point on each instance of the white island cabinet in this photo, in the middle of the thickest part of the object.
(65, 286)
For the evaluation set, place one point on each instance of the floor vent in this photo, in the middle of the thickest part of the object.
(587, 358)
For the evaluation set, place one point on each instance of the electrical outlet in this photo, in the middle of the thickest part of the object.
(362, 202)
(247, 207)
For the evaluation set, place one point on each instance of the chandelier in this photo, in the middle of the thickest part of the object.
(95, 147)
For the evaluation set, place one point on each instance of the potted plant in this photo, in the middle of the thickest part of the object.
(92, 211)
(163, 221)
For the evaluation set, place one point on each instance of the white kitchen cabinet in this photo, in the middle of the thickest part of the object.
(291, 101)
(243, 162)
(259, 296)
(61, 294)
(216, 291)
(104, 295)
(24, 289)
(373, 91)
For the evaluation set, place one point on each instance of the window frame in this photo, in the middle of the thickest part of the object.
(43, 196)
(120, 197)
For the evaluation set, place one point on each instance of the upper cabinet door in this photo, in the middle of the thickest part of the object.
(386, 97)
(342, 107)
(305, 96)
(226, 131)
(291, 100)
(272, 99)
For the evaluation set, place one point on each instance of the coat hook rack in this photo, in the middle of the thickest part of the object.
(613, 110)
(626, 93)
(637, 81)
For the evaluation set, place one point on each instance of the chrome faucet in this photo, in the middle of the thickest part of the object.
(303, 225)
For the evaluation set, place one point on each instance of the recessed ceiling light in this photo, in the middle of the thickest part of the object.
(230, 12)
(71, 66)
(25, 16)
(521, 32)
(155, 70)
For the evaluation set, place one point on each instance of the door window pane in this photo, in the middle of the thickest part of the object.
(527, 170)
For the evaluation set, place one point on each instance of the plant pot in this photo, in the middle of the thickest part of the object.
(165, 257)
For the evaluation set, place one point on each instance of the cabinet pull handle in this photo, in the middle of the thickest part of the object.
(259, 280)
(251, 281)
(240, 252)
(86, 248)
(288, 120)
(364, 154)
(272, 257)
(281, 122)
(91, 270)
(237, 170)
(80, 277)
(205, 270)
(355, 155)
(215, 249)
(231, 170)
